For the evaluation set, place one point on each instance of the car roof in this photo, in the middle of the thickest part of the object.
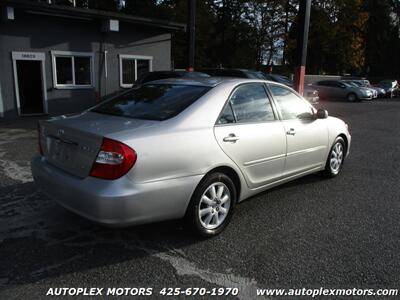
(206, 81)
(276, 75)
(174, 72)
(227, 70)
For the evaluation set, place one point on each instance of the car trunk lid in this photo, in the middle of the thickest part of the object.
(72, 143)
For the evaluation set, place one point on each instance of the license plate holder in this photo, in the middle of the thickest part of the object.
(60, 151)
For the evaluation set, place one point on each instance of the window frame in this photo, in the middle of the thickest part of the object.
(135, 58)
(228, 102)
(72, 55)
(276, 103)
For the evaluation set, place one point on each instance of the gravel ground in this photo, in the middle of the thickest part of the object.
(312, 232)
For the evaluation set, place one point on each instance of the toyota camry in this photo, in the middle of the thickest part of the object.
(185, 149)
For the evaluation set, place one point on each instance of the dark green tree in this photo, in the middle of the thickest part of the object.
(383, 40)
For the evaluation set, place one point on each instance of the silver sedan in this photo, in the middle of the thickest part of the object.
(187, 149)
(331, 89)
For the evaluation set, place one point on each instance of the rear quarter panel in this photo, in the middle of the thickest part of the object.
(165, 155)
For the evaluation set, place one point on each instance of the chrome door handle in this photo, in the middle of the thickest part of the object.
(232, 138)
(291, 131)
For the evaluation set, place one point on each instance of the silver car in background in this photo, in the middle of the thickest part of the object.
(365, 83)
(357, 85)
(185, 149)
(339, 89)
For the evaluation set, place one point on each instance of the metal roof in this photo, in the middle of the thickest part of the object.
(91, 14)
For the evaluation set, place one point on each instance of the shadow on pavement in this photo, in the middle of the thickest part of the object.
(61, 242)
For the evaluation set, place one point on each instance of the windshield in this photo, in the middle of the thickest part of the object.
(347, 84)
(284, 80)
(352, 84)
(358, 83)
(279, 78)
(196, 75)
(156, 102)
(260, 75)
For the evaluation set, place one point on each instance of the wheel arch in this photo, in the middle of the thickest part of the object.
(231, 173)
(346, 143)
(228, 171)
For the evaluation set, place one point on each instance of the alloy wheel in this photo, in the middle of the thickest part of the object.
(214, 205)
(336, 158)
(352, 97)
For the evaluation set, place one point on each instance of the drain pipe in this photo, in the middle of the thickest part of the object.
(1, 104)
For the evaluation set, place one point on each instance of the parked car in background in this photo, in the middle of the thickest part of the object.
(234, 73)
(391, 88)
(354, 84)
(310, 93)
(157, 75)
(279, 78)
(365, 83)
(339, 89)
(189, 149)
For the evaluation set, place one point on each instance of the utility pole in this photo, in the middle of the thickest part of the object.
(302, 42)
(191, 33)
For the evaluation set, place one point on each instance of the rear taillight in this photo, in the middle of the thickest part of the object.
(40, 148)
(114, 160)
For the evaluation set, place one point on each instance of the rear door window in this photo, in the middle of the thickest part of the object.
(153, 101)
(251, 104)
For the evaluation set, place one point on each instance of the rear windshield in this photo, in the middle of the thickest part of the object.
(152, 101)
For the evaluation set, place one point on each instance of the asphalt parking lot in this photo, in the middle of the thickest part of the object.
(313, 232)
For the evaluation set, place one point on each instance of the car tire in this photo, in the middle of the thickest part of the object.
(211, 206)
(352, 97)
(335, 160)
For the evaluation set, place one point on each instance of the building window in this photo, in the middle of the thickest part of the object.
(132, 67)
(72, 70)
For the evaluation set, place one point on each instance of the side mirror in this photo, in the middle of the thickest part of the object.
(322, 114)
(306, 116)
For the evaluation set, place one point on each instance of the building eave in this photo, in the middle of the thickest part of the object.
(92, 14)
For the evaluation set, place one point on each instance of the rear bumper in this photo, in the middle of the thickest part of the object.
(115, 202)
